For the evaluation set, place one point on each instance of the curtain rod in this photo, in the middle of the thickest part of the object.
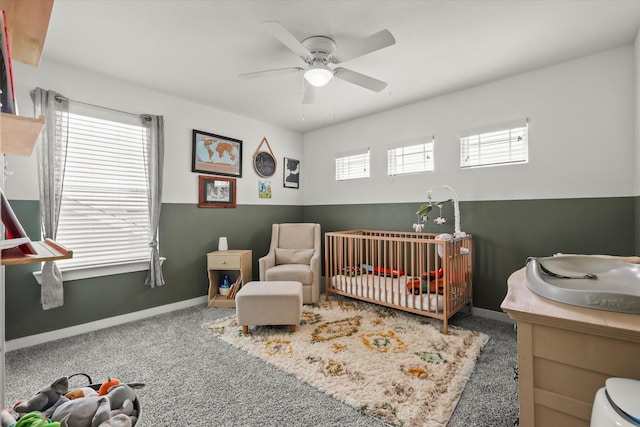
(62, 98)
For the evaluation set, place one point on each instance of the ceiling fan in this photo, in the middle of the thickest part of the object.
(320, 51)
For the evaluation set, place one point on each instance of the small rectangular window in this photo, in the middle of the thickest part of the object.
(352, 165)
(496, 145)
(411, 158)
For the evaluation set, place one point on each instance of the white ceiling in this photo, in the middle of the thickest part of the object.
(195, 49)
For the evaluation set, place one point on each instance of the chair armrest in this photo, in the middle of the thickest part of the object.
(315, 272)
(266, 262)
(315, 263)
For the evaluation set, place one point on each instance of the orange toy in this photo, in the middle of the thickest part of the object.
(432, 274)
(413, 285)
(104, 388)
(432, 281)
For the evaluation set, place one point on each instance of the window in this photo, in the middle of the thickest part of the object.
(104, 214)
(410, 159)
(497, 145)
(352, 165)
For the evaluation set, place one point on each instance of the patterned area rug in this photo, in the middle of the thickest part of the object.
(392, 365)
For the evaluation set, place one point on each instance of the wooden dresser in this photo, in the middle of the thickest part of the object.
(565, 354)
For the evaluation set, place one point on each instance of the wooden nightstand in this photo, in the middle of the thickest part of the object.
(234, 263)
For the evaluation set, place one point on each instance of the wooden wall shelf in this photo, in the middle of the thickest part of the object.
(27, 25)
(18, 135)
(47, 250)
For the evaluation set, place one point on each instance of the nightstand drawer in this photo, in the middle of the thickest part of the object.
(223, 262)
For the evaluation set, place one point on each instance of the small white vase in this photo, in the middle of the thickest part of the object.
(223, 245)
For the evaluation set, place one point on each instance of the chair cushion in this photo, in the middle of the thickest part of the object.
(296, 236)
(293, 256)
(290, 272)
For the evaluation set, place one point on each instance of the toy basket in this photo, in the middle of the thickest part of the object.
(96, 386)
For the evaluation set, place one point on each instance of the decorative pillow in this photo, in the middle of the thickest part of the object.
(293, 256)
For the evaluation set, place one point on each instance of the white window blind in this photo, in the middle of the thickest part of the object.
(410, 159)
(497, 145)
(104, 211)
(352, 165)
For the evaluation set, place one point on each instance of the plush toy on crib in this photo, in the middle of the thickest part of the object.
(387, 272)
(430, 282)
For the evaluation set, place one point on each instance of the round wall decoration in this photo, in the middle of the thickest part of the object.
(264, 162)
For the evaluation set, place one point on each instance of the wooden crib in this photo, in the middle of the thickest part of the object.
(414, 272)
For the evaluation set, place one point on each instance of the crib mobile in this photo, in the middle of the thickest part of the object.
(440, 220)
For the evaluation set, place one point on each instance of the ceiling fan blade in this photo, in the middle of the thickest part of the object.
(374, 42)
(310, 92)
(269, 73)
(359, 79)
(286, 38)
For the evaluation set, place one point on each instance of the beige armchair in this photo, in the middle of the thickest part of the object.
(294, 255)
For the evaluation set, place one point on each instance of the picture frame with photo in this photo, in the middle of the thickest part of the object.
(291, 174)
(216, 192)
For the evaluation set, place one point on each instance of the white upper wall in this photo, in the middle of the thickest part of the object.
(584, 138)
(581, 138)
(181, 117)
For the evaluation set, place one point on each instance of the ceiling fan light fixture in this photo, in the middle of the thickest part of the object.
(318, 74)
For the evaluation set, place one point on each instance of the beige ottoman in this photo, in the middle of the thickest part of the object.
(269, 303)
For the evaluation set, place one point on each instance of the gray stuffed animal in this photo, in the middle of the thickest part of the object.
(46, 398)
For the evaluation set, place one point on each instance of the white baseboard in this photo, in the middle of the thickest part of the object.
(100, 324)
(490, 314)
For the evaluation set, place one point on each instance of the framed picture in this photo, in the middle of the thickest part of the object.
(216, 192)
(264, 189)
(291, 178)
(216, 155)
(264, 162)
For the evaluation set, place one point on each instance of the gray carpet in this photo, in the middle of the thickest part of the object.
(193, 378)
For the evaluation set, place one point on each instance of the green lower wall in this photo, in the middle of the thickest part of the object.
(505, 233)
(187, 233)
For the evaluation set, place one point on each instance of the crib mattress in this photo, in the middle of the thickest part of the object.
(391, 290)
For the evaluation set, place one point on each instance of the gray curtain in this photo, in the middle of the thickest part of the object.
(154, 154)
(52, 155)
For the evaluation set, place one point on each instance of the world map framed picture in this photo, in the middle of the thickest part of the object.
(216, 154)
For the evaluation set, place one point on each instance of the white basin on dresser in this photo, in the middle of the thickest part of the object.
(587, 281)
